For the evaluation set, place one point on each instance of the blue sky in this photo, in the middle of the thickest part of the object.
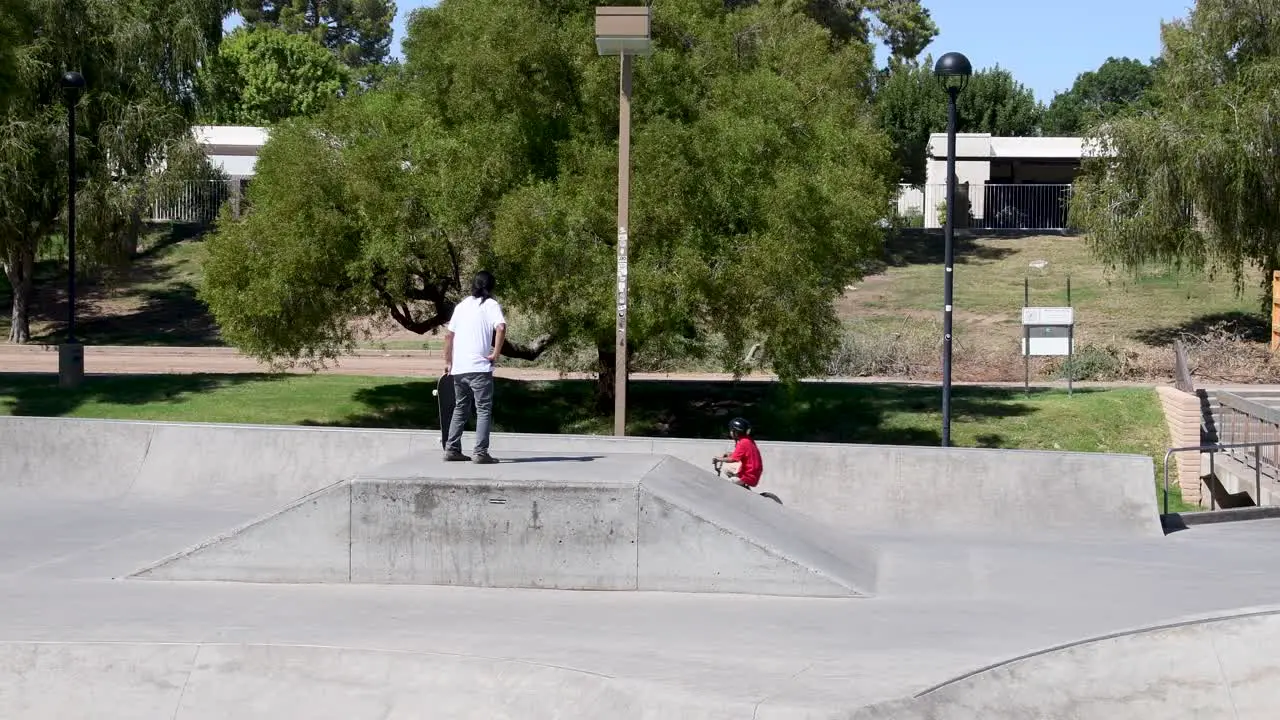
(1044, 43)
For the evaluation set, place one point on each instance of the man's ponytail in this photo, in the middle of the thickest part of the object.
(482, 286)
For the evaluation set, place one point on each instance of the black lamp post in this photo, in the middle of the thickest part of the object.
(71, 353)
(953, 69)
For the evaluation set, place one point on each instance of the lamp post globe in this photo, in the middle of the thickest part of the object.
(72, 81)
(953, 70)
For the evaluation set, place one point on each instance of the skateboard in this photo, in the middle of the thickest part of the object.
(445, 400)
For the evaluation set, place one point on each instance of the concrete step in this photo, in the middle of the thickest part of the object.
(1238, 483)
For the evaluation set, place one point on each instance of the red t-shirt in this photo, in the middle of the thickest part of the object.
(746, 452)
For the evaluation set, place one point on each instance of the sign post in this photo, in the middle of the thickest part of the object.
(1047, 331)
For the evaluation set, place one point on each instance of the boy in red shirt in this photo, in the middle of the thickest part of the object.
(745, 454)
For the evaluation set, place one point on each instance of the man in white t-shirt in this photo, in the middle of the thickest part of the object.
(472, 345)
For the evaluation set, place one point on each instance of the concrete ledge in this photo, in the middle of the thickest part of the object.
(1181, 521)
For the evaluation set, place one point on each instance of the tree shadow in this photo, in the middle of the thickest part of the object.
(136, 302)
(38, 394)
(1247, 326)
(926, 247)
(170, 316)
(809, 412)
(554, 459)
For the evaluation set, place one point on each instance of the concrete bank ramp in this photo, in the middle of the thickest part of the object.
(874, 488)
(180, 681)
(1224, 667)
(585, 522)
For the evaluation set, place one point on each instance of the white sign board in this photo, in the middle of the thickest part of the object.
(1048, 316)
(1047, 346)
(1047, 340)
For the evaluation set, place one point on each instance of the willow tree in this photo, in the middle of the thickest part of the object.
(759, 179)
(139, 59)
(11, 30)
(1195, 179)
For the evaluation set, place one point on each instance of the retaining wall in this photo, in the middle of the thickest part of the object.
(867, 487)
(1183, 415)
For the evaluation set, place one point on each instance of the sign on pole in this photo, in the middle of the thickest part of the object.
(1047, 332)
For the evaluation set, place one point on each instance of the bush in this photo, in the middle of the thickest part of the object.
(892, 347)
(1092, 362)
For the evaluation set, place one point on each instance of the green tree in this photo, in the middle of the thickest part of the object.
(994, 102)
(10, 59)
(263, 75)
(758, 182)
(138, 58)
(906, 26)
(1118, 85)
(357, 31)
(1196, 180)
(911, 104)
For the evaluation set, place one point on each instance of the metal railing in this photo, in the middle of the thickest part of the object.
(1244, 422)
(196, 201)
(1213, 450)
(987, 206)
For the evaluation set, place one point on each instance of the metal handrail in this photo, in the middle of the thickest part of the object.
(1242, 404)
(1257, 464)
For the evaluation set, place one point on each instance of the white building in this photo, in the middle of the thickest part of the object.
(1001, 182)
(232, 148)
(1013, 183)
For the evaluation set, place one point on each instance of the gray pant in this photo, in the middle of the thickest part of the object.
(469, 387)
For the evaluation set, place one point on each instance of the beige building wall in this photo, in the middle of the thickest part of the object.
(973, 172)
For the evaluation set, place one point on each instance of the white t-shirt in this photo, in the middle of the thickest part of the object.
(473, 324)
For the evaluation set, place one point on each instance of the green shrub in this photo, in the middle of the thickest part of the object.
(1091, 362)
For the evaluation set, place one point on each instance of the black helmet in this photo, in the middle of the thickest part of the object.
(740, 425)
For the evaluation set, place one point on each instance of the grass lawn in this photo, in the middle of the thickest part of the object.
(1093, 420)
(1149, 308)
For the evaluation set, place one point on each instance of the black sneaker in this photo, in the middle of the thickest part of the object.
(455, 456)
(485, 459)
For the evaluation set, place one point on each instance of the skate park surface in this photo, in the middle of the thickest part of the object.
(153, 570)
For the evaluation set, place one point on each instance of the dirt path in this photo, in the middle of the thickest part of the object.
(134, 360)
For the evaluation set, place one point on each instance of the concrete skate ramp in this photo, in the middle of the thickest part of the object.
(179, 681)
(601, 522)
(1223, 667)
(232, 465)
(865, 487)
